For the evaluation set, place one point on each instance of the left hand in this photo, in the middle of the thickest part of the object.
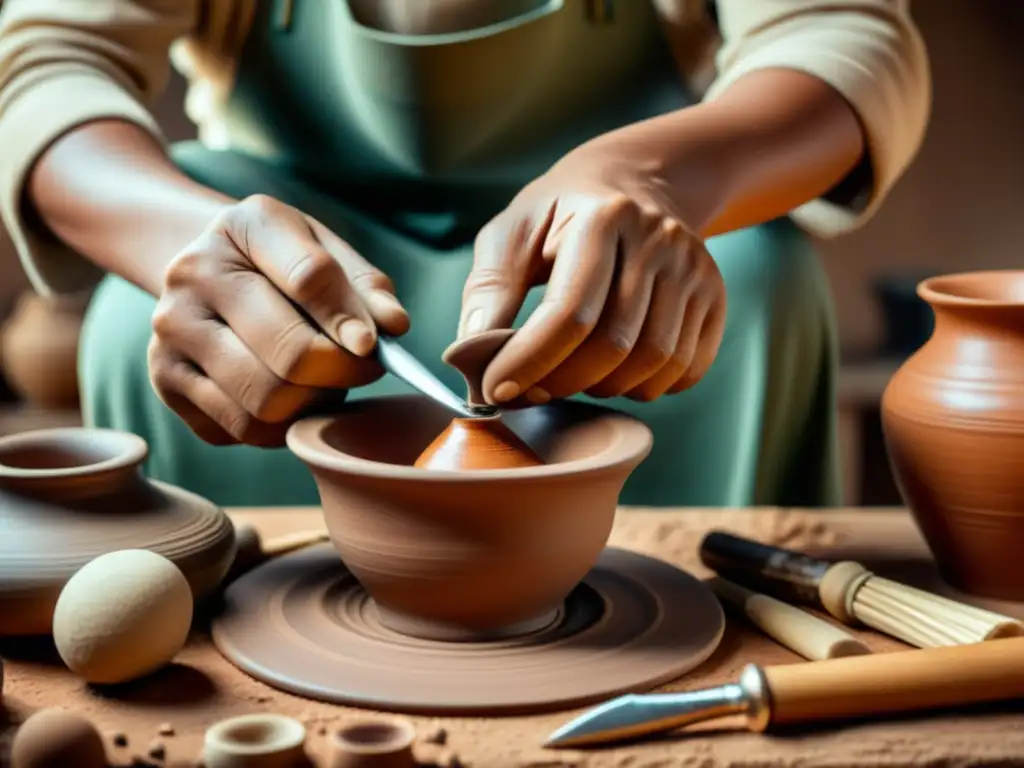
(634, 304)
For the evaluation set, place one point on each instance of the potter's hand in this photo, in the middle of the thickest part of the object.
(232, 352)
(634, 305)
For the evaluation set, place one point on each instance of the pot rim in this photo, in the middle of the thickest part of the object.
(398, 736)
(123, 449)
(283, 735)
(631, 443)
(931, 289)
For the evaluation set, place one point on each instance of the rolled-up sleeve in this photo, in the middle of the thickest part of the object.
(869, 51)
(64, 63)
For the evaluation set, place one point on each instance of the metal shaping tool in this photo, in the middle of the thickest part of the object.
(636, 715)
(872, 685)
(400, 363)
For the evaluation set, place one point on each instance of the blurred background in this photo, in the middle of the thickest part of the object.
(961, 207)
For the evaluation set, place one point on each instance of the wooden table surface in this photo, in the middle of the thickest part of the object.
(201, 687)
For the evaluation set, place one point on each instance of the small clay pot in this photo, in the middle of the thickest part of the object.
(39, 348)
(953, 418)
(470, 356)
(70, 495)
(255, 741)
(378, 743)
(468, 555)
(484, 443)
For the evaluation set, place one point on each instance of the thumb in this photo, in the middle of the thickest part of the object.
(496, 286)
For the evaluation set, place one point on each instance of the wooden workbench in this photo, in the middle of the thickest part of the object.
(201, 687)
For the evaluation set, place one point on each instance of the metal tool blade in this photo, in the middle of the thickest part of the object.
(399, 362)
(636, 715)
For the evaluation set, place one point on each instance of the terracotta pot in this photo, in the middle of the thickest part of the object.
(39, 347)
(471, 444)
(953, 418)
(477, 554)
(70, 495)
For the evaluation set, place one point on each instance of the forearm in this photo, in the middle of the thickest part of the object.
(774, 141)
(108, 190)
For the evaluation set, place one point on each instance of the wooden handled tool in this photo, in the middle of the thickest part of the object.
(251, 549)
(837, 689)
(796, 629)
(853, 594)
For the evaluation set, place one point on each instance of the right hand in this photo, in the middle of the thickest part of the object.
(261, 312)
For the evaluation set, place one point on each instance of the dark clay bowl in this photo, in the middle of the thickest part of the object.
(468, 555)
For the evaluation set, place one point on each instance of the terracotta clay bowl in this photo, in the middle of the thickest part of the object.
(471, 555)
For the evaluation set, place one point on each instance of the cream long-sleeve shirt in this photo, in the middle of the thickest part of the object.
(64, 63)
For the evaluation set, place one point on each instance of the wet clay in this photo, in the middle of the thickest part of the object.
(953, 418)
(471, 356)
(303, 624)
(468, 555)
(485, 443)
(70, 495)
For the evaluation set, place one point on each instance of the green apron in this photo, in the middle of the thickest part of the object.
(405, 146)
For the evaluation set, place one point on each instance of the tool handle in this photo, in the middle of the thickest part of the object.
(251, 549)
(798, 630)
(290, 542)
(786, 575)
(902, 681)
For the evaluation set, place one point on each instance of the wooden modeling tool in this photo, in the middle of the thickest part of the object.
(806, 692)
(791, 627)
(251, 549)
(853, 594)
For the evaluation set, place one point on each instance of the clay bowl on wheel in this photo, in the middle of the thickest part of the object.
(469, 555)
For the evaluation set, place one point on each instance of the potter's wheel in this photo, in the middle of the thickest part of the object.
(302, 624)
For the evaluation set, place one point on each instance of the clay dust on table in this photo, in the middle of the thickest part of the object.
(201, 688)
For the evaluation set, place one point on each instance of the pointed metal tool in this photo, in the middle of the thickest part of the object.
(633, 716)
(398, 361)
(871, 685)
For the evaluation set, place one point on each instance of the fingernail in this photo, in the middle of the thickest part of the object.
(356, 337)
(474, 322)
(386, 302)
(388, 311)
(537, 396)
(505, 391)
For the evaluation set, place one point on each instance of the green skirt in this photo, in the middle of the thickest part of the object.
(759, 429)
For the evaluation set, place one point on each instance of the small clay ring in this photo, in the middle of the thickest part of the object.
(255, 741)
(378, 743)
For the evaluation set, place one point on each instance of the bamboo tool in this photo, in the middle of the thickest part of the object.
(798, 630)
(817, 691)
(251, 550)
(853, 594)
